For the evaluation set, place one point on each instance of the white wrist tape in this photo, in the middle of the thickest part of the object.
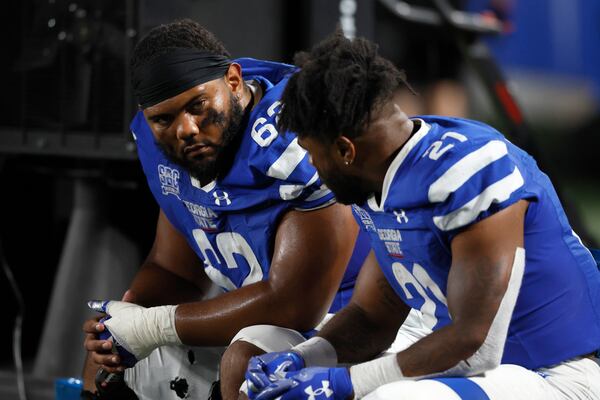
(370, 375)
(140, 330)
(317, 351)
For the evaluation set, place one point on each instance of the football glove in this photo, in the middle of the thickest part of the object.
(266, 368)
(315, 383)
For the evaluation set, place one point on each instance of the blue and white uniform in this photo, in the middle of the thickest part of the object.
(449, 175)
(231, 222)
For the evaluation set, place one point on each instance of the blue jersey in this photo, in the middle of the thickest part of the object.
(453, 173)
(231, 222)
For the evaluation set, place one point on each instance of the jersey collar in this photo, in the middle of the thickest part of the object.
(395, 165)
(207, 188)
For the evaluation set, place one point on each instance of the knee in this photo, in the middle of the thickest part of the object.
(238, 353)
(269, 338)
(248, 342)
(233, 366)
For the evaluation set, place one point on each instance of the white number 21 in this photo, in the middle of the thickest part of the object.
(420, 280)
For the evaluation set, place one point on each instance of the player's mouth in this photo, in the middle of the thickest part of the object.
(198, 150)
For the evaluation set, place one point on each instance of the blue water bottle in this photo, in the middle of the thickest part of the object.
(67, 388)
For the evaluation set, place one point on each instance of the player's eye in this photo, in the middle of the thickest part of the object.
(198, 106)
(161, 120)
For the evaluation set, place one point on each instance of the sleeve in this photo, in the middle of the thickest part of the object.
(137, 125)
(362, 218)
(154, 166)
(296, 180)
(473, 184)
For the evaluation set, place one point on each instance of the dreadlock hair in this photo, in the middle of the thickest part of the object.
(185, 33)
(340, 84)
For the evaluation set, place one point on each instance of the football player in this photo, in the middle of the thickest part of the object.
(464, 227)
(240, 204)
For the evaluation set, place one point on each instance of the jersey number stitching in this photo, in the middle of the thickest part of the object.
(420, 280)
(258, 132)
(435, 151)
(228, 244)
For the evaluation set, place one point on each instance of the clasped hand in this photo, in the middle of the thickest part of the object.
(283, 375)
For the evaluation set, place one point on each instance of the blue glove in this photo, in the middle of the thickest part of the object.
(266, 368)
(128, 360)
(314, 383)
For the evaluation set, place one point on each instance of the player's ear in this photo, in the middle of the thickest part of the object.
(345, 150)
(233, 78)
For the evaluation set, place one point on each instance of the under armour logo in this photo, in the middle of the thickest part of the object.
(312, 394)
(401, 216)
(221, 197)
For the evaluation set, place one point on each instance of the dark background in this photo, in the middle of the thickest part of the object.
(66, 104)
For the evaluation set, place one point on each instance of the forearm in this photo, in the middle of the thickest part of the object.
(472, 343)
(355, 337)
(154, 285)
(439, 351)
(215, 322)
(442, 353)
(291, 297)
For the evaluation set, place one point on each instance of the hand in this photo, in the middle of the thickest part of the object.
(101, 355)
(125, 357)
(100, 349)
(311, 383)
(138, 330)
(266, 368)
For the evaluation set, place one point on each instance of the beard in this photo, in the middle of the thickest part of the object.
(206, 170)
(347, 189)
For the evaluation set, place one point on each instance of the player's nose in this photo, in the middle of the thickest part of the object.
(187, 127)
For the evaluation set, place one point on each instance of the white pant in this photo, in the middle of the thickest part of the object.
(175, 372)
(168, 372)
(571, 380)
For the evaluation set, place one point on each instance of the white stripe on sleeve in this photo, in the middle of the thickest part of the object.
(323, 205)
(313, 179)
(495, 193)
(290, 192)
(317, 194)
(287, 162)
(464, 169)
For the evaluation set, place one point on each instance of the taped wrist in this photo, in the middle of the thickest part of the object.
(317, 351)
(368, 376)
(163, 319)
(141, 330)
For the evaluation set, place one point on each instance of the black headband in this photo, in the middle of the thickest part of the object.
(175, 72)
